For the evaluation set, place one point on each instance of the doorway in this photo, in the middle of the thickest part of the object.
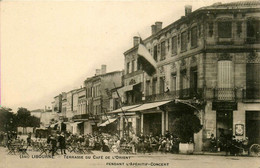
(224, 124)
(253, 126)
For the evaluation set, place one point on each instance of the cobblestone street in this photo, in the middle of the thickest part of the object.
(103, 159)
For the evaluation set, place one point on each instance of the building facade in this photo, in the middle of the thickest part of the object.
(208, 64)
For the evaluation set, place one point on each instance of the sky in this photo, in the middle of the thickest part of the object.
(52, 47)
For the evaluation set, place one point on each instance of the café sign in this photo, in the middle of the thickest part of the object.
(224, 105)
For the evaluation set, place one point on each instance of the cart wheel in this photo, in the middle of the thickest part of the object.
(255, 150)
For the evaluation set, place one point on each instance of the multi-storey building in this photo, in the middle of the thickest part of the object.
(98, 95)
(208, 64)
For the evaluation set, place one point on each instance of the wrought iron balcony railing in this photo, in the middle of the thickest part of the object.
(161, 96)
(224, 94)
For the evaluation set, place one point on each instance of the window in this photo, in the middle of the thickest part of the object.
(174, 84)
(127, 67)
(162, 83)
(210, 28)
(183, 80)
(174, 45)
(194, 81)
(155, 52)
(154, 86)
(194, 37)
(225, 29)
(163, 50)
(253, 81)
(253, 31)
(239, 29)
(147, 88)
(225, 80)
(184, 41)
(133, 65)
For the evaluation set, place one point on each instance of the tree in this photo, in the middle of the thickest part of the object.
(185, 126)
(6, 119)
(24, 118)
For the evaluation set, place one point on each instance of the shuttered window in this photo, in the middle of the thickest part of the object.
(225, 80)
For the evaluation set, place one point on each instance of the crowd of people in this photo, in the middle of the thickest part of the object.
(63, 142)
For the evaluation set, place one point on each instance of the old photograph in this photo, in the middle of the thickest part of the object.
(128, 83)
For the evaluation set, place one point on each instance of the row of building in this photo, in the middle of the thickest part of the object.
(207, 63)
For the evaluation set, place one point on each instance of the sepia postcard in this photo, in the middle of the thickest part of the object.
(128, 83)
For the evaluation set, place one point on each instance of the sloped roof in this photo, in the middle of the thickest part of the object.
(238, 4)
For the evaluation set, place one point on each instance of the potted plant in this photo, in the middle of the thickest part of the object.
(184, 127)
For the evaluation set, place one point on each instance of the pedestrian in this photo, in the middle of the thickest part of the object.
(29, 139)
(53, 143)
(62, 143)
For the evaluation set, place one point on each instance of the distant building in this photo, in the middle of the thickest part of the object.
(45, 115)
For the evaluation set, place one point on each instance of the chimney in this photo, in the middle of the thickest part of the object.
(136, 40)
(188, 10)
(97, 72)
(103, 69)
(153, 29)
(158, 26)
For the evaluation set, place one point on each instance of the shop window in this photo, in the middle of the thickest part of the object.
(253, 31)
(194, 37)
(225, 29)
(184, 41)
(174, 45)
(163, 50)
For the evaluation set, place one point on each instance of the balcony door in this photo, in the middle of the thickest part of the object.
(225, 90)
(194, 82)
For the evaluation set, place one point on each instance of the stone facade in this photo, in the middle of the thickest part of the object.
(210, 56)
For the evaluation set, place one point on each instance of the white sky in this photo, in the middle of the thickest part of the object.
(50, 47)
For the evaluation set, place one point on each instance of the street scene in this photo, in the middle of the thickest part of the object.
(181, 94)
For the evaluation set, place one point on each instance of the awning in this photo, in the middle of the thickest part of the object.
(149, 106)
(109, 121)
(125, 108)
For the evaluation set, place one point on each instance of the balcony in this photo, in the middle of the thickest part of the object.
(161, 96)
(224, 94)
(251, 95)
(82, 116)
(189, 93)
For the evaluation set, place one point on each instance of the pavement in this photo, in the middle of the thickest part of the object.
(114, 160)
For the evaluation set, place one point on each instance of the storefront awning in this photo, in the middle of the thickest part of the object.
(109, 121)
(125, 108)
(149, 106)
